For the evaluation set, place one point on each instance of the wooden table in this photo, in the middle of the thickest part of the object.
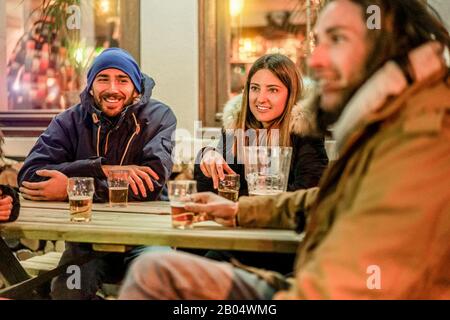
(143, 223)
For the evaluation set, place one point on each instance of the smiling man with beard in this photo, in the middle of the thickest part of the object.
(117, 125)
(378, 227)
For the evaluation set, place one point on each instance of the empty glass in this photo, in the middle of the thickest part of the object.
(267, 169)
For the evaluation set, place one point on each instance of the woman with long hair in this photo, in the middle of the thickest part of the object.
(267, 113)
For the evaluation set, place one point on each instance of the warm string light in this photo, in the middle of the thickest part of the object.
(236, 7)
(105, 6)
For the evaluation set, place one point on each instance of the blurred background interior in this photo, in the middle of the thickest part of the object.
(203, 48)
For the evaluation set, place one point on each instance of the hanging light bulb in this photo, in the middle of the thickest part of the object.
(79, 55)
(105, 6)
(236, 7)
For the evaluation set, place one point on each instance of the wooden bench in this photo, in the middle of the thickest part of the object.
(46, 262)
(38, 264)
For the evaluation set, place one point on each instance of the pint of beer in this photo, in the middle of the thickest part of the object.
(229, 194)
(80, 191)
(179, 194)
(80, 208)
(118, 197)
(229, 187)
(181, 218)
(118, 188)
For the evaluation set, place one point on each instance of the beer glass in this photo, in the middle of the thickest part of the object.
(179, 193)
(118, 188)
(80, 191)
(267, 169)
(229, 187)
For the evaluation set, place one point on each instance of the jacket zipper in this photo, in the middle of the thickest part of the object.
(107, 140)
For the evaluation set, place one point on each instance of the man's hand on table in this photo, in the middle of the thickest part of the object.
(219, 209)
(138, 176)
(6, 204)
(53, 189)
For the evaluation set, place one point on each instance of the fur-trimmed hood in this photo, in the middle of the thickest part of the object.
(302, 119)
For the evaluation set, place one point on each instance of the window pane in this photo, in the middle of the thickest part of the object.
(259, 27)
(49, 46)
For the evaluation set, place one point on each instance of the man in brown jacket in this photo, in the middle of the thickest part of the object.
(379, 227)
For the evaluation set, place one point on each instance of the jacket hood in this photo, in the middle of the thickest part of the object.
(87, 101)
(302, 117)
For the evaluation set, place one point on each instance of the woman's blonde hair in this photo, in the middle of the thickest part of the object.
(287, 72)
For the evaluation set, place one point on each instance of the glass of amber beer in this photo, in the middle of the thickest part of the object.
(80, 191)
(229, 187)
(118, 188)
(179, 193)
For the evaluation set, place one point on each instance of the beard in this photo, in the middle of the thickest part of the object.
(325, 117)
(99, 99)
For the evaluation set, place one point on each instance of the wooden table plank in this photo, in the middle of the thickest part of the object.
(127, 228)
(154, 207)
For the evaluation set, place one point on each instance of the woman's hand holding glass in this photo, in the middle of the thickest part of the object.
(214, 166)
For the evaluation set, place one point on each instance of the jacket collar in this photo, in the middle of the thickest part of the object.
(426, 62)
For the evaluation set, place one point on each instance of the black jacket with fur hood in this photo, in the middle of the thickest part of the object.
(309, 158)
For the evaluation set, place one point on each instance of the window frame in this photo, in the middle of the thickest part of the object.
(214, 51)
(214, 58)
(31, 123)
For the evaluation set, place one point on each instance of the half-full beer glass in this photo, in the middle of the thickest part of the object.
(118, 188)
(229, 187)
(179, 193)
(80, 191)
(267, 169)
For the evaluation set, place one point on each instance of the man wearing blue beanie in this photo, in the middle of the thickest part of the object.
(118, 59)
(116, 125)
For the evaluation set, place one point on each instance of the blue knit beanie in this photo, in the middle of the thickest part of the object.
(116, 58)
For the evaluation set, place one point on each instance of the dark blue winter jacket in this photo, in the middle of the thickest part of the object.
(81, 139)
